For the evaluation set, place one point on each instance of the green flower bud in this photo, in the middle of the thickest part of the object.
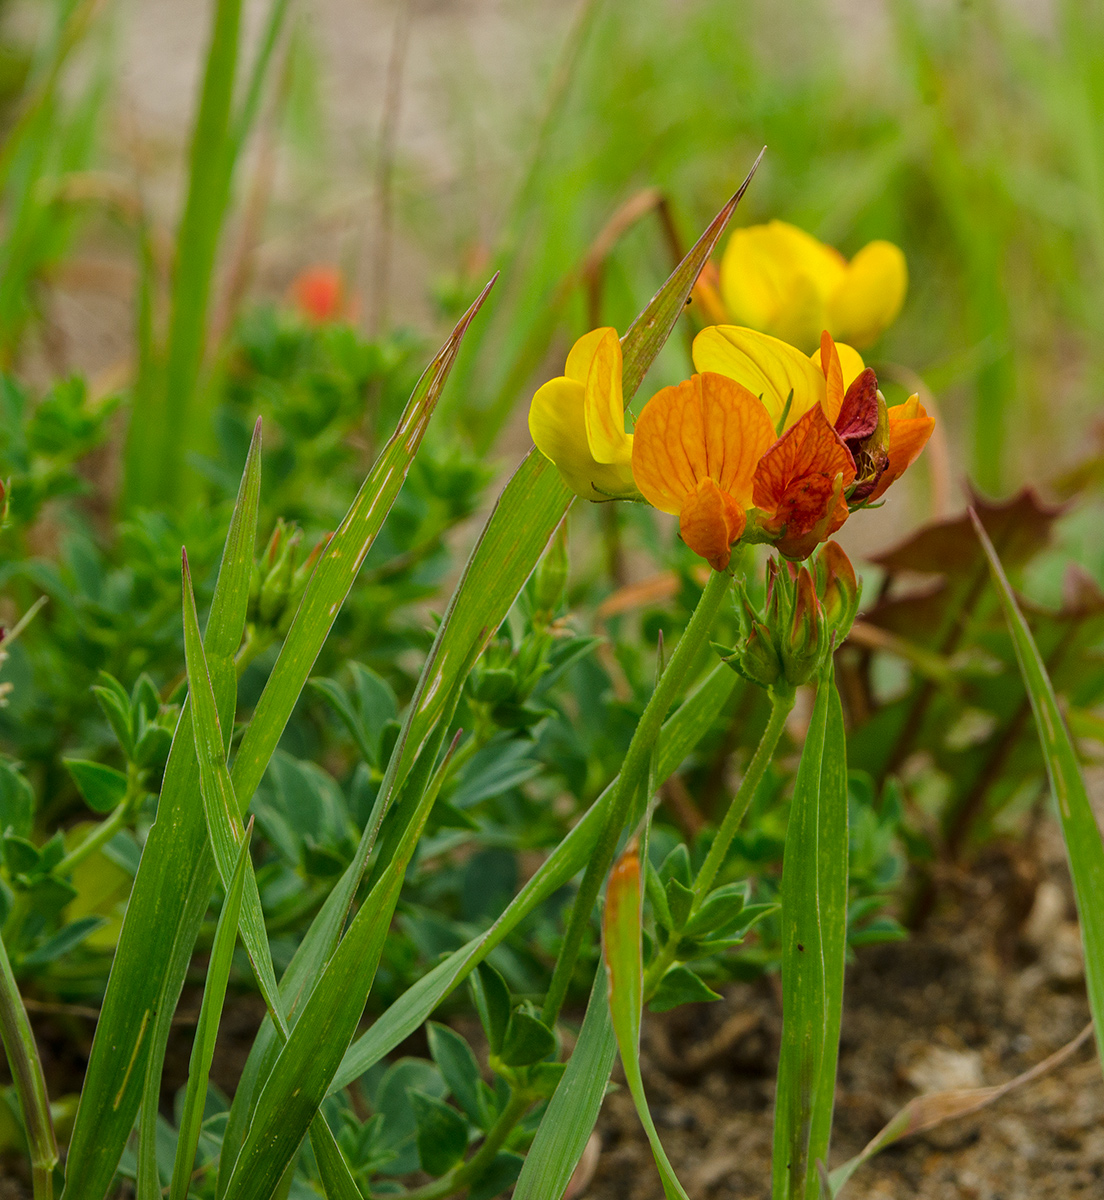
(551, 578)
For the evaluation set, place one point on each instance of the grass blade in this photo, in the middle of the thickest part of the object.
(681, 732)
(210, 1011)
(622, 937)
(26, 1072)
(814, 917)
(531, 506)
(161, 434)
(170, 894)
(336, 1176)
(1079, 828)
(832, 868)
(337, 568)
(573, 1109)
(648, 334)
(224, 824)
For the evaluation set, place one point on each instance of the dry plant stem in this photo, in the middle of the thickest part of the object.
(380, 281)
(26, 1072)
(634, 773)
(782, 702)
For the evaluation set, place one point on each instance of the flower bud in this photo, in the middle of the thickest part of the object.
(839, 587)
(551, 578)
(280, 561)
(804, 649)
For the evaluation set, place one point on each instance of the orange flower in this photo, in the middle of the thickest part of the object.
(800, 483)
(319, 294)
(909, 430)
(695, 454)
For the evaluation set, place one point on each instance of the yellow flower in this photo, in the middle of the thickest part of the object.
(778, 279)
(578, 420)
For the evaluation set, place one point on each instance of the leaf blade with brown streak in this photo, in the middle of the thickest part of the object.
(622, 948)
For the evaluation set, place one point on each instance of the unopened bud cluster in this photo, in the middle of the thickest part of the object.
(808, 611)
(279, 578)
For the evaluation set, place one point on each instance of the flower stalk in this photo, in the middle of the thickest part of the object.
(633, 776)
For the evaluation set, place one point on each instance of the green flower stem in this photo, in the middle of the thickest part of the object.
(782, 702)
(633, 776)
(106, 829)
(466, 1173)
(26, 1072)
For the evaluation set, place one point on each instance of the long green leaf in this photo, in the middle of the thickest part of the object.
(622, 942)
(567, 1123)
(526, 515)
(210, 1012)
(334, 1170)
(814, 922)
(170, 894)
(681, 732)
(224, 824)
(1079, 828)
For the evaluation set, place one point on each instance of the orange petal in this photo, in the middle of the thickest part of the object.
(909, 430)
(738, 434)
(833, 376)
(796, 478)
(668, 455)
(710, 522)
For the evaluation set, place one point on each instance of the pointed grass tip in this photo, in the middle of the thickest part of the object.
(473, 308)
(724, 216)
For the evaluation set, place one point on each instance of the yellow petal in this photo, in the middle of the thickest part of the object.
(851, 362)
(767, 367)
(558, 428)
(582, 353)
(870, 295)
(604, 408)
(776, 278)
